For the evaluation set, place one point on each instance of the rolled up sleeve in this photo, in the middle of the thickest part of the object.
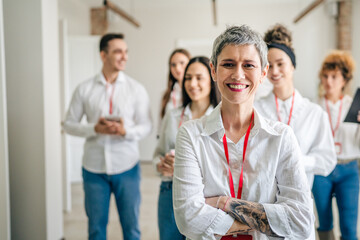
(72, 123)
(291, 216)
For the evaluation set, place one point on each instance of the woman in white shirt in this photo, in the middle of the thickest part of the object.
(285, 104)
(171, 99)
(234, 151)
(199, 98)
(343, 183)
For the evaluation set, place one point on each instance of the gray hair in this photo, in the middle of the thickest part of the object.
(240, 35)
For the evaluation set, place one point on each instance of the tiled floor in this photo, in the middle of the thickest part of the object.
(75, 223)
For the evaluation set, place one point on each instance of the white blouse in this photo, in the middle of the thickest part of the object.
(273, 176)
(348, 134)
(169, 129)
(175, 100)
(312, 130)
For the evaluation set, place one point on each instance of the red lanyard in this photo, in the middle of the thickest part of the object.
(173, 98)
(181, 117)
(231, 183)
(333, 130)
(111, 97)
(291, 109)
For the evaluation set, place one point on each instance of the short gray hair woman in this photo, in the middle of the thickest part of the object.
(240, 35)
(235, 171)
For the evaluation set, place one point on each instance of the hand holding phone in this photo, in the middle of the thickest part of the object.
(113, 125)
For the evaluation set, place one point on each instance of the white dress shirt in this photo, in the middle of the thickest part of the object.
(103, 153)
(311, 127)
(273, 176)
(348, 134)
(169, 129)
(174, 102)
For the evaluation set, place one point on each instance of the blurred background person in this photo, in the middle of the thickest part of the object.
(343, 183)
(199, 98)
(117, 111)
(171, 99)
(285, 104)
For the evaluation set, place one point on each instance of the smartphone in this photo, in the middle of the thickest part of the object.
(172, 152)
(112, 118)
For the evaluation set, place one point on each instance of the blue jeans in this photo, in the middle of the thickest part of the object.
(343, 183)
(126, 189)
(166, 220)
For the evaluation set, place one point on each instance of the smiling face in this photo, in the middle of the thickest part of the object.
(280, 68)
(197, 82)
(333, 82)
(116, 55)
(178, 63)
(238, 73)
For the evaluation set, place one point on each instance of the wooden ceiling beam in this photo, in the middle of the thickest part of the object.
(110, 5)
(308, 9)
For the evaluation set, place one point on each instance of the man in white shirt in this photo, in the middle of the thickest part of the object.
(118, 116)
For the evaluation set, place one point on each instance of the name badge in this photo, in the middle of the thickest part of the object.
(237, 237)
(338, 148)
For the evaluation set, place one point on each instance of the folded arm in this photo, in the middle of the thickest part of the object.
(249, 216)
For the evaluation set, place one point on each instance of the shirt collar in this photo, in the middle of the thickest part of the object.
(177, 87)
(299, 104)
(298, 98)
(214, 124)
(120, 78)
(187, 111)
(338, 102)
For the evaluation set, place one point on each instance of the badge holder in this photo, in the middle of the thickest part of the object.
(338, 148)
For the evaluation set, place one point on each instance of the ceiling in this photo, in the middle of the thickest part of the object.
(129, 4)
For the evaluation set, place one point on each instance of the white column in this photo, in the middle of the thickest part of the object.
(33, 103)
(4, 167)
(355, 43)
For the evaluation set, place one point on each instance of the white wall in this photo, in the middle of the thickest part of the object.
(32, 78)
(356, 41)
(164, 23)
(4, 158)
(52, 118)
(314, 37)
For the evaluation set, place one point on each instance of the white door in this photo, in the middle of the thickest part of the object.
(83, 62)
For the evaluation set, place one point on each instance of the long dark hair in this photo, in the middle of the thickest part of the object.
(214, 92)
(171, 81)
